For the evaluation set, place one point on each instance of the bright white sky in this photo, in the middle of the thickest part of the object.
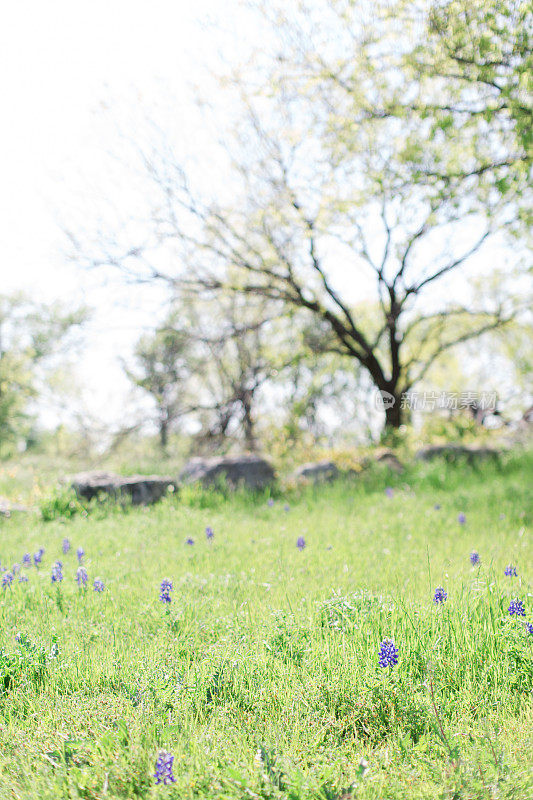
(71, 75)
(61, 64)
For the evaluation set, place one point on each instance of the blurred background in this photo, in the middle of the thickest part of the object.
(295, 228)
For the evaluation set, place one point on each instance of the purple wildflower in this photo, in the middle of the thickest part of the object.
(209, 533)
(98, 585)
(23, 579)
(189, 541)
(270, 502)
(388, 653)
(529, 628)
(300, 542)
(474, 558)
(80, 552)
(437, 506)
(517, 608)
(7, 580)
(81, 577)
(38, 556)
(440, 596)
(57, 572)
(461, 519)
(389, 491)
(286, 507)
(26, 560)
(164, 592)
(510, 571)
(65, 546)
(15, 569)
(163, 768)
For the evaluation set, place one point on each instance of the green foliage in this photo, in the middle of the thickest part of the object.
(60, 503)
(30, 334)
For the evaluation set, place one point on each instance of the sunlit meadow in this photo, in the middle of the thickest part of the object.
(370, 639)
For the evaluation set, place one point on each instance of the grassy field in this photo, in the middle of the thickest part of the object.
(261, 676)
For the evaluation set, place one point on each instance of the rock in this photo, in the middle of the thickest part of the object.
(7, 507)
(390, 460)
(317, 472)
(140, 489)
(250, 471)
(454, 452)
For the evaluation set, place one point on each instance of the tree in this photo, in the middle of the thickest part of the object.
(336, 205)
(31, 335)
(163, 369)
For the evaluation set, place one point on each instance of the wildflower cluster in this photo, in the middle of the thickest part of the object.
(510, 571)
(57, 572)
(440, 595)
(388, 654)
(163, 768)
(164, 592)
(474, 558)
(516, 608)
(81, 577)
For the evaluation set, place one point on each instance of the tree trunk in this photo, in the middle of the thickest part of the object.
(394, 413)
(163, 434)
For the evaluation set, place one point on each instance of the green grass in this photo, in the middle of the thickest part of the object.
(262, 676)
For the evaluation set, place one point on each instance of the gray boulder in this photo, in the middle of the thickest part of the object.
(455, 452)
(317, 472)
(7, 507)
(140, 489)
(390, 460)
(250, 471)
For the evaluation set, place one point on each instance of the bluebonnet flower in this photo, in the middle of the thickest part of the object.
(23, 579)
(80, 552)
(38, 556)
(474, 557)
(81, 577)
(7, 580)
(510, 571)
(98, 585)
(209, 532)
(389, 492)
(163, 768)
(57, 572)
(300, 542)
(461, 519)
(529, 628)
(388, 653)
(286, 507)
(437, 506)
(189, 541)
(164, 592)
(517, 608)
(26, 560)
(440, 595)
(15, 569)
(270, 502)
(65, 546)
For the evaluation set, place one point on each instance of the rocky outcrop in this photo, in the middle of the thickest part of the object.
(7, 508)
(139, 489)
(455, 452)
(250, 471)
(317, 472)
